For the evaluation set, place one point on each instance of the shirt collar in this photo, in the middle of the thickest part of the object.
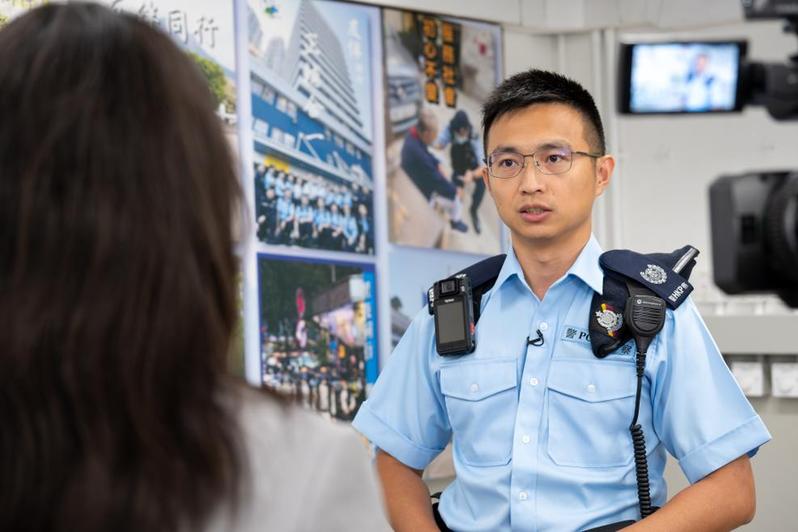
(585, 267)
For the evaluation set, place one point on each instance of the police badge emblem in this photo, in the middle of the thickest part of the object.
(609, 319)
(654, 274)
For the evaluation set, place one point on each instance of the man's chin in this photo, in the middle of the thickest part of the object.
(536, 235)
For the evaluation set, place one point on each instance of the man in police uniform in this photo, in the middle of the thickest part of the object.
(541, 432)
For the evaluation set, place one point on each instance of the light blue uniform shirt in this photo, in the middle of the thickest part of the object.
(350, 227)
(541, 434)
(285, 209)
(268, 179)
(279, 186)
(337, 220)
(305, 213)
(322, 217)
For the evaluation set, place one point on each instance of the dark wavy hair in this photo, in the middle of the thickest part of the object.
(117, 279)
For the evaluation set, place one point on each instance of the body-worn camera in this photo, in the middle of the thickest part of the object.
(451, 303)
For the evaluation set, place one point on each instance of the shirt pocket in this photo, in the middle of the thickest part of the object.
(481, 401)
(590, 408)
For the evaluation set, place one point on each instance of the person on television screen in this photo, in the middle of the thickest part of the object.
(699, 85)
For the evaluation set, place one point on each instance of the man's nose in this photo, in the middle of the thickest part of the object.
(531, 176)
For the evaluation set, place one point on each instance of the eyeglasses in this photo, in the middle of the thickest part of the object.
(550, 160)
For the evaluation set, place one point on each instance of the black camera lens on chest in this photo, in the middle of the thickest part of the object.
(449, 287)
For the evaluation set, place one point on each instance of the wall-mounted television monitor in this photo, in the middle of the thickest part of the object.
(681, 77)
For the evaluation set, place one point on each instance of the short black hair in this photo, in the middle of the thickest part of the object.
(541, 86)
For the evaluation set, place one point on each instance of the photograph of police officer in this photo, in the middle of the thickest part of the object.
(438, 70)
(540, 426)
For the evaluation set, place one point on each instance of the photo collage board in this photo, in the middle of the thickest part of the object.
(351, 227)
(334, 111)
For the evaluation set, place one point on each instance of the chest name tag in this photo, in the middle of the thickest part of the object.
(582, 336)
(575, 334)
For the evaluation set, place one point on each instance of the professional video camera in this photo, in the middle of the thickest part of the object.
(754, 216)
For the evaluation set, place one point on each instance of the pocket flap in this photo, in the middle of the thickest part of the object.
(593, 381)
(475, 381)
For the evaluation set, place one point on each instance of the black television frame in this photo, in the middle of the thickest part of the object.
(625, 76)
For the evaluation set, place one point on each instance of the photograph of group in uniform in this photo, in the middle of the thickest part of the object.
(318, 332)
(300, 208)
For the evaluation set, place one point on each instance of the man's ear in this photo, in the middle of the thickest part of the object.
(486, 178)
(604, 167)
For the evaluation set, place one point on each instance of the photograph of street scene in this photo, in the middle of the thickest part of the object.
(318, 332)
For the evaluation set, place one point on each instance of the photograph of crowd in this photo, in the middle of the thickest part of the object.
(300, 208)
(438, 71)
(318, 332)
(312, 123)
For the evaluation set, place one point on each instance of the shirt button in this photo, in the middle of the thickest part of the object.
(475, 388)
(525, 439)
(543, 326)
(533, 381)
(591, 388)
(523, 496)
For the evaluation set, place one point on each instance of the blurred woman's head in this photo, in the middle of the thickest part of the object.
(117, 294)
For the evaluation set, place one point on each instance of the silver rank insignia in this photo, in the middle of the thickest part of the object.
(654, 274)
(609, 319)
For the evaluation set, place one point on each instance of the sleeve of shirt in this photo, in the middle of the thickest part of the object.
(404, 414)
(699, 412)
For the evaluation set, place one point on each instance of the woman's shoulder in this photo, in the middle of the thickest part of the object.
(268, 418)
(303, 471)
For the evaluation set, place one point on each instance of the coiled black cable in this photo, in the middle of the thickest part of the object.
(639, 444)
